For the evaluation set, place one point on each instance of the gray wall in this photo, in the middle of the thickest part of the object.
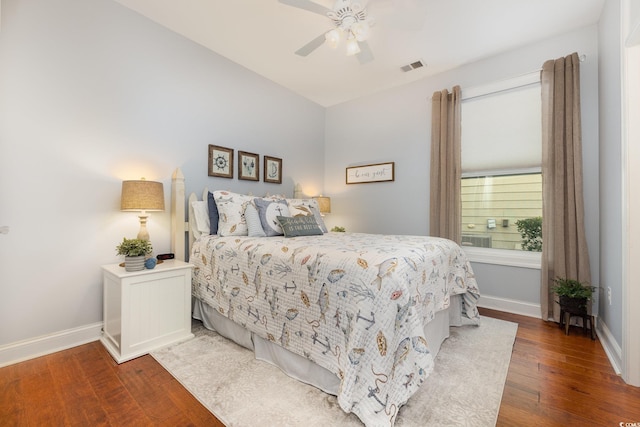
(92, 94)
(611, 162)
(395, 126)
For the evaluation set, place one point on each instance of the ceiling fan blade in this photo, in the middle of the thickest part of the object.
(307, 5)
(365, 54)
(311, 46)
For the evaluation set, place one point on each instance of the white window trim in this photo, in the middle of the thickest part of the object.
(513, 258)
(502, 172)
(502, 85)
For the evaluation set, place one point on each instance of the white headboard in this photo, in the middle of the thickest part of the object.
(179, 226)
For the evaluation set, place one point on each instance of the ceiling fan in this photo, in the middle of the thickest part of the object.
(350, 22)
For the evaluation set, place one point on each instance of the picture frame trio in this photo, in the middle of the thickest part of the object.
(221, 165)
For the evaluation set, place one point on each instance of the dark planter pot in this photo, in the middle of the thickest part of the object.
(573, 305)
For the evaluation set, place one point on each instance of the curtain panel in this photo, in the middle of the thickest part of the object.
(564, 247)
(444, 202)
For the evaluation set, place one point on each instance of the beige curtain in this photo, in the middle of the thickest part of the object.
(445, 210)
(564, 247)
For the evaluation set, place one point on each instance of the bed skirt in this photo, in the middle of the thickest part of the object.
(301, 368)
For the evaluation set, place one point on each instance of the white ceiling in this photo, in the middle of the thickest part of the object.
(262, 35)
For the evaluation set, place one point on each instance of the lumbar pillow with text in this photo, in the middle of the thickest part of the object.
(294, 226)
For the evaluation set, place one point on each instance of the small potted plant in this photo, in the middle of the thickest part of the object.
(134, 251)
(573, 294)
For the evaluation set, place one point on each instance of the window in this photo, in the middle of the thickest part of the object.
(501, 162)
(492, 205)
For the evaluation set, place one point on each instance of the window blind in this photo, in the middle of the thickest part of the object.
(502, 126)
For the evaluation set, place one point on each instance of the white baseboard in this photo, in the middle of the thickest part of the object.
(510, 306)
(47, 344)
(611, 347)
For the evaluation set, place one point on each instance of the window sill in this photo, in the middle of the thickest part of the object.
(507, 257)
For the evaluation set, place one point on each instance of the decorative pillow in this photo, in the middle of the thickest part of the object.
(275, 196)
(269, 210)
(253, 221)
(213, 214)
(299, 226)
(201, 215)
(231, 208)
(307, 207)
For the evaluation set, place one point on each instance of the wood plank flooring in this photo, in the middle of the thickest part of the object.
(560, 380)
(553, 380)
(84, 386)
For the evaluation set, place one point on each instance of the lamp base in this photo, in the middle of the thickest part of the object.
(143, 234)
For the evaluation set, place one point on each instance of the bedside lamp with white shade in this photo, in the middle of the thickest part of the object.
(143, 196)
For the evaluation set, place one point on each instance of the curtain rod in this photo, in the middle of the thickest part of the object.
(522, 80)
(524, 76)
(581, 58)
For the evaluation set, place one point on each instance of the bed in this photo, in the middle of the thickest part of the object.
(360, 316)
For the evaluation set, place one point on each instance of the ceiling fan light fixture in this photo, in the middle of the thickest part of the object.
(350, 21)
(332, 38)
(352, 47)
(360, 30)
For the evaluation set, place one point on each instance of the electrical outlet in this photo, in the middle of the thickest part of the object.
(609, 294)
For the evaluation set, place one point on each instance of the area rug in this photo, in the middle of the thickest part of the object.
(465, 388)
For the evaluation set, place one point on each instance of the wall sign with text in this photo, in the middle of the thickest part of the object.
(370, 173)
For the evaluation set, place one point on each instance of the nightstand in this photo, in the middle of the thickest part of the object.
(147, 309)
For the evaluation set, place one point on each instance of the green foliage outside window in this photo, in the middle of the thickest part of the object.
(531, 231)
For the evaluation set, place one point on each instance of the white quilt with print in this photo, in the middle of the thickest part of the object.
(355, 304)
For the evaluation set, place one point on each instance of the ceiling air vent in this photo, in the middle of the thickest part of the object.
(412, 66)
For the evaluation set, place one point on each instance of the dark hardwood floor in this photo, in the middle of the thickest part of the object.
(553, 380)
(560, 380)
(84, 386)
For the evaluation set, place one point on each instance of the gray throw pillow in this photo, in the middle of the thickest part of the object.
(294, 226)
(269, 210)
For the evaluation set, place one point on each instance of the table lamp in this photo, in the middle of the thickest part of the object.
(143, 196)
(324, 203)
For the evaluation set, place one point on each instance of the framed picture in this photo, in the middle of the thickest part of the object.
(220, 161)
(272, 170)
(248, 166)
(370, 173)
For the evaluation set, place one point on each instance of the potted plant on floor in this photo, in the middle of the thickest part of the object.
(573, 294)
(134, 251)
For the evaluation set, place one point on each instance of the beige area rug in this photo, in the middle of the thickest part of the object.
(465, 388)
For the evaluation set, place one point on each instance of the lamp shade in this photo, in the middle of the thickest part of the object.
(324, 203)
(142, 195)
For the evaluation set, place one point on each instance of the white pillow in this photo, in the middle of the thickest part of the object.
(201, 216)
(231, 207)
(253, 221)
(307, 207)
